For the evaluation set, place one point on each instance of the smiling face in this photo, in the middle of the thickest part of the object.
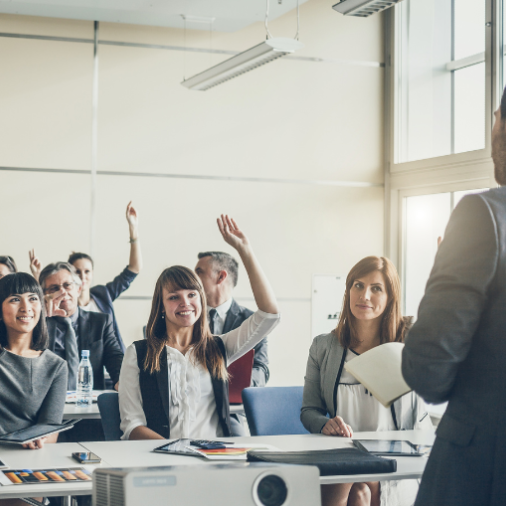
(21, 313)
(182, 307)
(84, 269)
(62, 281)
(368, 296)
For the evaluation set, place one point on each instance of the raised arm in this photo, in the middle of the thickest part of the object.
(135, 262)
(262, 291)
(35, 264)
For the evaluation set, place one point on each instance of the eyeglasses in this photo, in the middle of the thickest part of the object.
(56, 288)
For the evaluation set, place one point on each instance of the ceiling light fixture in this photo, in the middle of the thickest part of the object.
(363, 8)
(269, 50)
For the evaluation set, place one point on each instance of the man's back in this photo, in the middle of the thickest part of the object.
(456, 351)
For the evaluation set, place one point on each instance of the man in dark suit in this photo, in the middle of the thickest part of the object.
(218, 272)
(72, 330)
(456, 351)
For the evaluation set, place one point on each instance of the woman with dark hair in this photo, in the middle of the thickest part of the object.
(33, 380)
(174, 383)
(100, 298)
(370, 316)
(7, 266)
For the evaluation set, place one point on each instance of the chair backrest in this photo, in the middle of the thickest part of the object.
(273, 411)
(108, 406)
(240, 377)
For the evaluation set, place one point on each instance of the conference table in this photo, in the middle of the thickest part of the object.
(140, 453)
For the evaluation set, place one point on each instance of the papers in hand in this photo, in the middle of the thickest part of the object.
(379, 370)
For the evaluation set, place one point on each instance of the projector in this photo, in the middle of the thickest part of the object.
(234, 484)
(363, 8)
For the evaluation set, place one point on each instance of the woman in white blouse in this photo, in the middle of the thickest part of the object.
(174, 384)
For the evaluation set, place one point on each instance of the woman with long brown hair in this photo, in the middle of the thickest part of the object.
(370, 316)
(174, 383)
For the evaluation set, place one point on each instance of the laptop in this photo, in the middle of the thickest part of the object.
(240, 372)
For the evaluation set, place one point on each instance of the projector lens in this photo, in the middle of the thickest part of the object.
(272, 491)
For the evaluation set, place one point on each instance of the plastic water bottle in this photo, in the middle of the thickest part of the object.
(84, 395)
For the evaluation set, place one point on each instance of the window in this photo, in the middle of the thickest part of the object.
(441, 78)
(425, 219)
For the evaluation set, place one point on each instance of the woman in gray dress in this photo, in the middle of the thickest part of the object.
(33, 380)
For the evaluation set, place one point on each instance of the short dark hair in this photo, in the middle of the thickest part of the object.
(224, 262)
(51, 269)
(9, 263)
(79, 256)
(19, 283)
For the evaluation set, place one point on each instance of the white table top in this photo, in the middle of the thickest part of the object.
(51, 456)
(91, 412)
(139, 453)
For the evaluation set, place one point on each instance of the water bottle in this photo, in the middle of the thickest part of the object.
(84, 395)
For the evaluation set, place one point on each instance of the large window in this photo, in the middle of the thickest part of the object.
(425, 220)
(441, 78)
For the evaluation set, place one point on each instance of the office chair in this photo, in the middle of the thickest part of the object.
(273, 411)
(108, 406)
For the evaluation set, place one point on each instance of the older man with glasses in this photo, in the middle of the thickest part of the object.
(71, 329)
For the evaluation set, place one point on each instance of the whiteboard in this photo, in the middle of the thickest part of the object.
(326, 301)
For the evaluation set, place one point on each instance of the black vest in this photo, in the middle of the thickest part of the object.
(155, 392)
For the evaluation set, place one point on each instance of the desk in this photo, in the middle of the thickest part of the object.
(52, 455)
(139, 453)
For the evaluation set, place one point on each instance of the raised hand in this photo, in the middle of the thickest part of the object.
(52, 302)
(132, 216)
(35, 264)
(231, 232)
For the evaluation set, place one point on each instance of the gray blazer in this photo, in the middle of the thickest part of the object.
(323, 372)
(456, 352)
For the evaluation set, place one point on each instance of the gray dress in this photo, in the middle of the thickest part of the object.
(32, 390)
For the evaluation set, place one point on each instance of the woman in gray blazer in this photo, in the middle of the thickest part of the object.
(371, 316)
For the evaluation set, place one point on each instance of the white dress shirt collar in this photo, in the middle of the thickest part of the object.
(222, 309)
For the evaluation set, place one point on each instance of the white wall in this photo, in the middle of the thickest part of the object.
(289, 120)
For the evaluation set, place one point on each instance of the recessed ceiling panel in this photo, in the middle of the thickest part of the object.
(222, 15)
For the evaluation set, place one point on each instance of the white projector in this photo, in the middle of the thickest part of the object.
(240, 484)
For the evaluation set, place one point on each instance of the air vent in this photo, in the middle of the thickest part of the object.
(363, 8)
(109, 490)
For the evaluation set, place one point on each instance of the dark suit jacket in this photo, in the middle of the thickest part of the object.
(235, 316)
(456, 352)
(96, 334)
(104, 295)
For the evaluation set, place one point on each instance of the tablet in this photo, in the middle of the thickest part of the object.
(388, 447)
(34, 432)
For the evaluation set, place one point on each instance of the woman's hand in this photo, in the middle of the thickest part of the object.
(336, 427)
(35, 445)
(231, 233)
(35, 264)
(132, 217)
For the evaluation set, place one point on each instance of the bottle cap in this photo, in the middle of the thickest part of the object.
(85, 353)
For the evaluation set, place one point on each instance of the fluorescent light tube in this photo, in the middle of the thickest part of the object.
(363, 8)
(263, 53)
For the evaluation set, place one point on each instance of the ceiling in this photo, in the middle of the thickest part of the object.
(224, 15)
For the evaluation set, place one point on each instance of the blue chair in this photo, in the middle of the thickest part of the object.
(273, 411)
(108, 406)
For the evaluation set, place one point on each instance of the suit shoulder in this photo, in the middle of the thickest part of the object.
(324, 341)
(99, 317)
(245, 311)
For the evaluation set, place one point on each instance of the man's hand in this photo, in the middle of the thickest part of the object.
(336, 427)
(231, 233)
(35, 445)
(35, 264)
(52, 302)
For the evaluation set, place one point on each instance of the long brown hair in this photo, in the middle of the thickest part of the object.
(205, 348)
(393, 326)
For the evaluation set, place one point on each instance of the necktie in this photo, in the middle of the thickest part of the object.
(71, 352)
(212, 314)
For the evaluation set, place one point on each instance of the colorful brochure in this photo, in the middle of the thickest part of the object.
(29, 476)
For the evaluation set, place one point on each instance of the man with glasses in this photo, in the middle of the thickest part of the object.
(71, 329)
